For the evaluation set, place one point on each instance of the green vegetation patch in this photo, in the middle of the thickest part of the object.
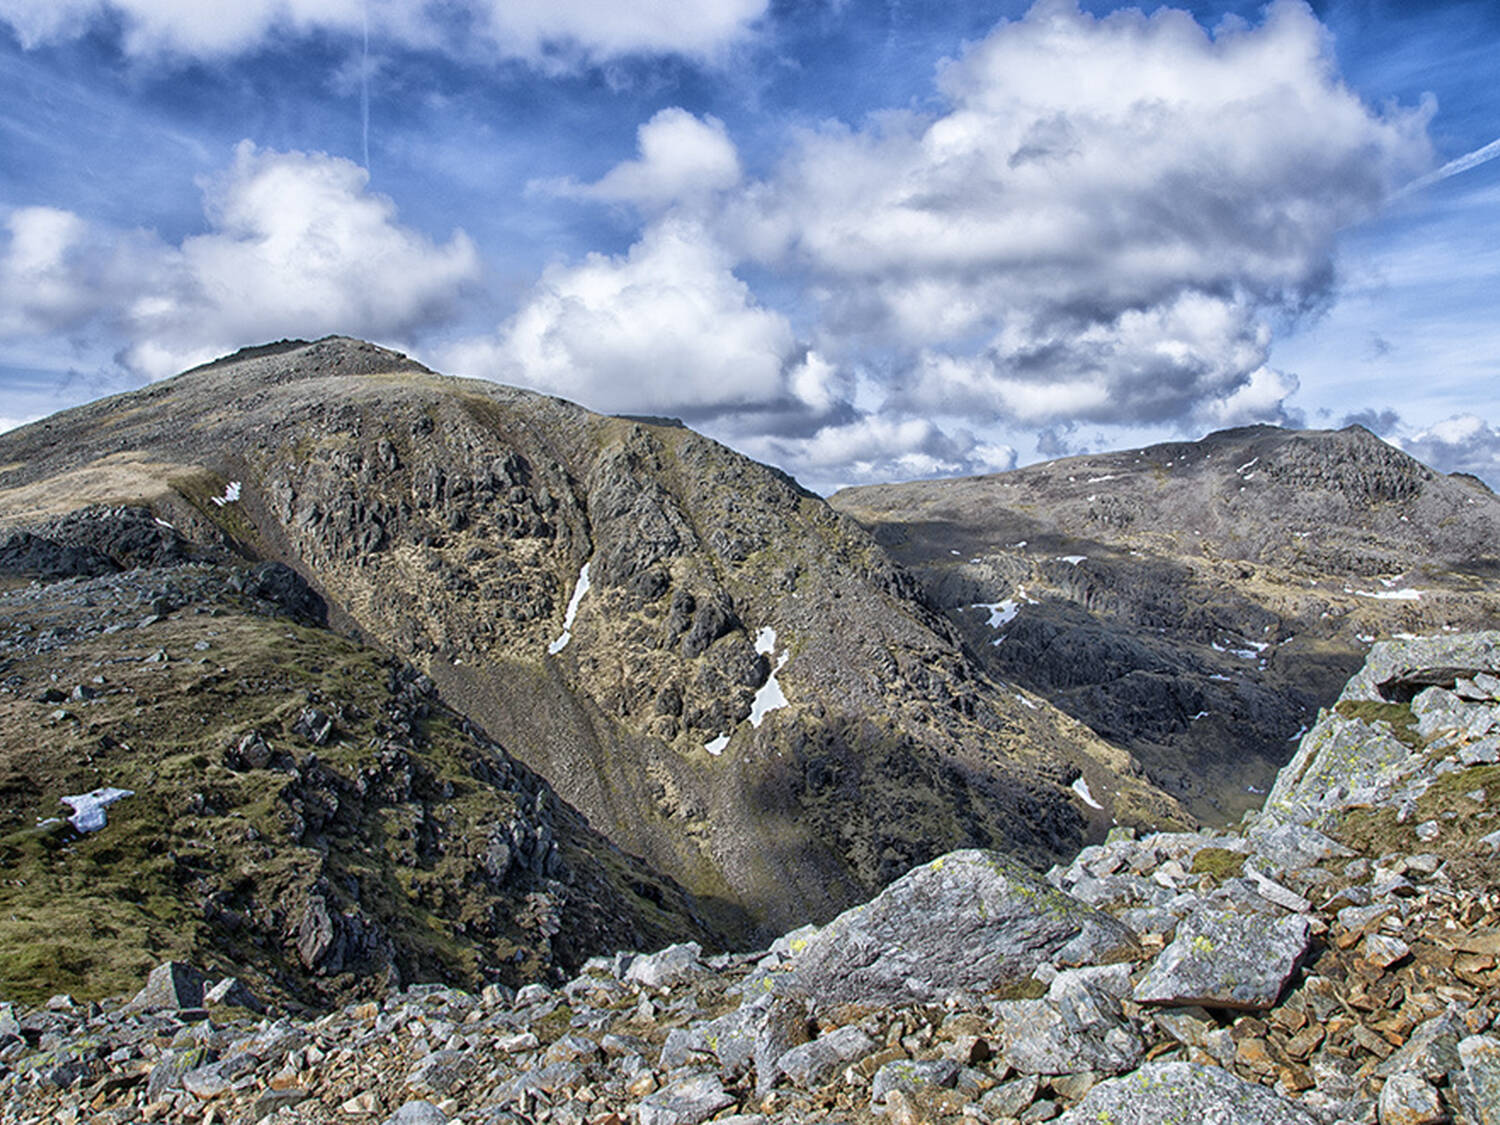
(1218, 863)
(1396, 716)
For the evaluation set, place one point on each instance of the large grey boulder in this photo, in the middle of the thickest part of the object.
(1338, 758)
(968, 922)
(816, 1062)
(669, 966)
(1223, 959)
(1398, 671)
(172, 985)
(1186, 1092)
(1079, 1025)
(684, 1102)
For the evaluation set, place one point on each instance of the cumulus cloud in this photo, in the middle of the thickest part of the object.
(665, 328)
(296, 245)
(1464, 443)
(872, 448)
(1380, 422)
(553, 31)
(683, 162)
(1101, 221)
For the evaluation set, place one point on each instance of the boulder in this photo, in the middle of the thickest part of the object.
(1079, 1025)
(815, 1063)
(1222, 959)
(669, 966)
(1179, 1091)
(172, 985)
(968, 922)
(684, 1102)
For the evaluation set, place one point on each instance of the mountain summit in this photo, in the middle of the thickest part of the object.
(725, 675)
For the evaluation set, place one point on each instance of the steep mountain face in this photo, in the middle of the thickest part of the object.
(1196, 602)
(258, 795)
(724, 674)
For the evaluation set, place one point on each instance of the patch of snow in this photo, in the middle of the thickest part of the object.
(581, 587)
(1247, 464)
(1072, 559)
(1081, 787)
(716, 747)
(770, 697)
(231, 494)
(88, 808)
(1406, 594)
(163, 523)
(1220, 676)
(1018, 546)
(1001, 613)
(1199, 715)
(951, 551)
(1028, 702)
(1253, 789)
(1092, 497)
(1101, 480)
(1300, 732)
(1367, 638)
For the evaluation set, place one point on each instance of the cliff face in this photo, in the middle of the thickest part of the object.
(721, 672)
(1196, 602)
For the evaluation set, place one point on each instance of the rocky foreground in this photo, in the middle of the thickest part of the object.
(1334, 960)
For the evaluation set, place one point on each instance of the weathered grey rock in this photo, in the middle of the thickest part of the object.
(909, 1076)
(1290, 846)
(1336, 759)
(1480, 1056)
(1227, 960)
(686, 1046)
(171, 985)
(206, 1082)
(232, 991)
(814, 1063)
(1079, 1025)
(1178, 1091)
(174, 1063)
(781, 1026)
(669, 966)
(440, 1071)
(1408, 1099)
(1399, 670)
(418, 1113)
(1011, 1098)
(968, 921)
(684, 1102)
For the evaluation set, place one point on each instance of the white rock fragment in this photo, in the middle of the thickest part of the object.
(231, 494)
(1081, 787)
(580, 588)
(88, 808)
(770, 697)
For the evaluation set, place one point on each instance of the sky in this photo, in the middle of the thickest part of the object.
(862, 240)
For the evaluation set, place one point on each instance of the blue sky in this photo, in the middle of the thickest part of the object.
(859, 240)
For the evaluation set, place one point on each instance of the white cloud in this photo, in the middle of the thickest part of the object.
(1100, 221)
(551, 30)
(871, 448)
(665, 328)
(1463, 443)
(297, 246)
(683, 161)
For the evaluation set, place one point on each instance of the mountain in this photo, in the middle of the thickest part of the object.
(724, 675)
(1196, 602)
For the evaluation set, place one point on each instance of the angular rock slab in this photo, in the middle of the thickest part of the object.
(968, 922)
(1221, 959)
(1179, 1091)
(1079, 1026)
(172, 985)
(684, 1102)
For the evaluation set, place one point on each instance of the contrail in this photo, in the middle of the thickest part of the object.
(364, 83)
(1453, 167)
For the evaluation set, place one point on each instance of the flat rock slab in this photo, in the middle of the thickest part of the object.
(1179, 1091)
(685, 1102)
(1080, 1025)
(1226, 960)
(968, 922)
